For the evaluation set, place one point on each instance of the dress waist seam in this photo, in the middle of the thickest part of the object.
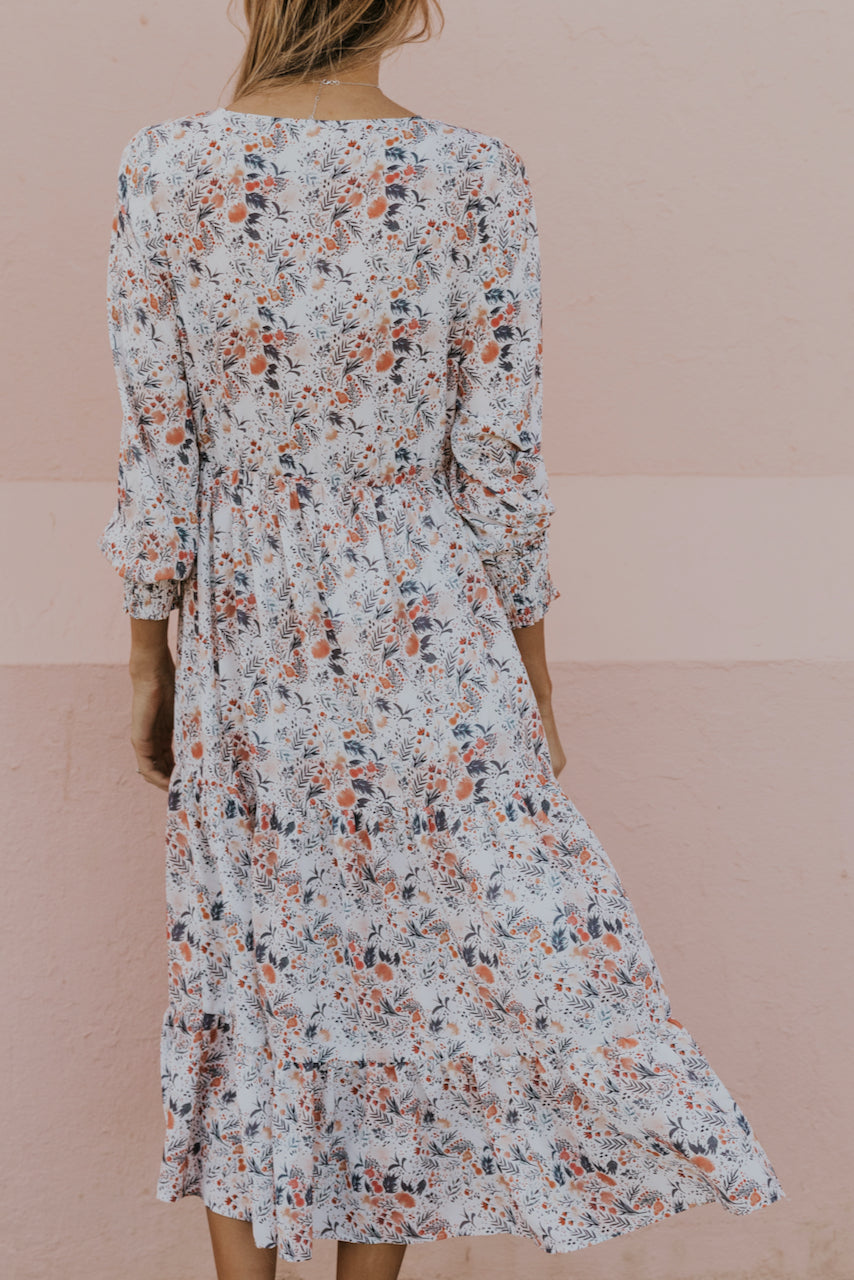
(230, 476)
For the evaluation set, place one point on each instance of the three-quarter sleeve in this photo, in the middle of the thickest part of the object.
(497, 474)
(151, 537)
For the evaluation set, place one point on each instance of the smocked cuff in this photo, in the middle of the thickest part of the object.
(523, 583)
(151, 600)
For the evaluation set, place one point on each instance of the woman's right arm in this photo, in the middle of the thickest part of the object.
(497, 474)
(532, 646)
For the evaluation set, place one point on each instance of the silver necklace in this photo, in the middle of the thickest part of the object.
(317, 95)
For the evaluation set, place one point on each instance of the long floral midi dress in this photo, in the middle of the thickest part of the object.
(409, 998)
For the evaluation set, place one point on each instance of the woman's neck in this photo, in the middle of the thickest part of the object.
(334, 101)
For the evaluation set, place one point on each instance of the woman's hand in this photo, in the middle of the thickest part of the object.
(152, 671)
(556, 752)
(531, 642)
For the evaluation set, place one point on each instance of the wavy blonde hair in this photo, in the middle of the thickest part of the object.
(290, 40)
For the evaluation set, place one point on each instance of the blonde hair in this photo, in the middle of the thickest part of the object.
(296, 39)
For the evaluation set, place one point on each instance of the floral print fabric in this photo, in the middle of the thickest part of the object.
(409, 997)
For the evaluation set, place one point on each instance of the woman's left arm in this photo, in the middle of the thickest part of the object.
(151, 537)
(152, 673)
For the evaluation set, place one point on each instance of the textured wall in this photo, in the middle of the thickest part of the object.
(695, 225)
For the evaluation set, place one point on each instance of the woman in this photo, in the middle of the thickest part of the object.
(409, 998)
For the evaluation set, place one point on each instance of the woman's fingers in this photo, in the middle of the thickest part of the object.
(152, 715)
(556, 752)
(154, 762)
(156, 778)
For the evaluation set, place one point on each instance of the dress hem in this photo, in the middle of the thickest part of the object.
(738, 1209)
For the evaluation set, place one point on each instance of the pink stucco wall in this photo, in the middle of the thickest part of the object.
(695, 209)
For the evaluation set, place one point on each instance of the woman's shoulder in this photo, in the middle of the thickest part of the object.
(166, 141)
(492, 143)
(489, 151)
(154, 137)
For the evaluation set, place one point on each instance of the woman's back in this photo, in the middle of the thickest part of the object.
(318, 300)
(316, 266)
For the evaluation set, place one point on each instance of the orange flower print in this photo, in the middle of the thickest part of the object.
(408, 996)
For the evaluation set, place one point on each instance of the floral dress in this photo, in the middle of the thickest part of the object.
(409, 998)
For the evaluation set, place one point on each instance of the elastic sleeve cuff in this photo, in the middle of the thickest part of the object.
(525, 612)
(523, 582)
(151, 600)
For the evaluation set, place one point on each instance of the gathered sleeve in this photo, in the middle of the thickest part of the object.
(497, 474)
(151, 536)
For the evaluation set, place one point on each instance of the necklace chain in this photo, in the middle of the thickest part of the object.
(320, 82)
